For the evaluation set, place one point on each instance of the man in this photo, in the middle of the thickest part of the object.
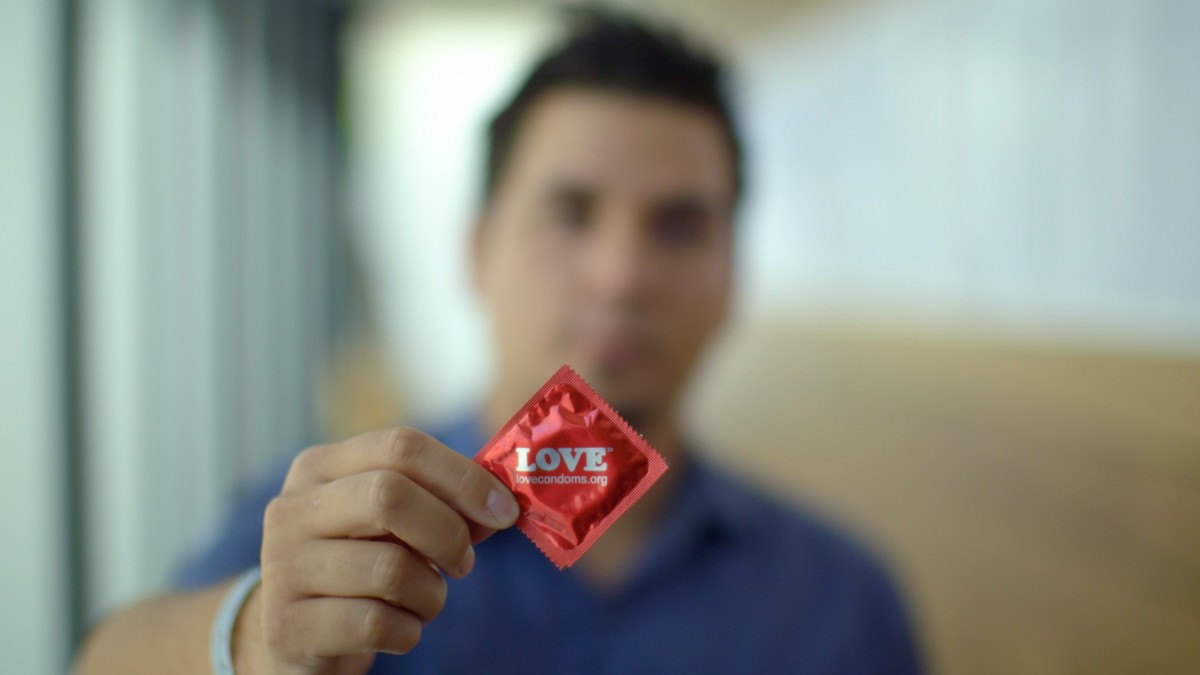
(605, 241)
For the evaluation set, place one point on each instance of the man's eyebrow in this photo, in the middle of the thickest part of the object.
(685, 201)
(570, 190)
(688, 202)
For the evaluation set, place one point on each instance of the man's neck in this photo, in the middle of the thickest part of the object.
(611, 559)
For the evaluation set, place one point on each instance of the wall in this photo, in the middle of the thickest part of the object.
(1021, 168)
(32, 596)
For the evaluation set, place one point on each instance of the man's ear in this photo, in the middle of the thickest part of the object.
(476, 252)
(732, 282)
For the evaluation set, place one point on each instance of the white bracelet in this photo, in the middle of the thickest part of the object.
(221, 642)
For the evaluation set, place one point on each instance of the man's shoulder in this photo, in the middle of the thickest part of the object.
(791, 534)
(819, 567)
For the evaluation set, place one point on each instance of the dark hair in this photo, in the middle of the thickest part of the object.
(611, 51)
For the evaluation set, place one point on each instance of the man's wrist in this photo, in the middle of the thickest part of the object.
(249, 650)
(231, 623)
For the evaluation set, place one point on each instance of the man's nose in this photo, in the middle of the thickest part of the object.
(621, 265)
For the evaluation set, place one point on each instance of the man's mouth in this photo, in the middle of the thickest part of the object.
(612, 352)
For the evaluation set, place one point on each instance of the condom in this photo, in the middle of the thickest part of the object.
(574, 465)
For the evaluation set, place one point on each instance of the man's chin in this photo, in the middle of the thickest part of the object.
(625, 389)
(610, 379)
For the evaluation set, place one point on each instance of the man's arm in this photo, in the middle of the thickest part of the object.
(354, 549)
(167, 634)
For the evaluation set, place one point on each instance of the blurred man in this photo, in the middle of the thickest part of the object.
(605, 241)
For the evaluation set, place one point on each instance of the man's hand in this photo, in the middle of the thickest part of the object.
(353, 546)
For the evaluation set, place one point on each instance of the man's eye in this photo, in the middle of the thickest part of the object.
(679, 228)
(570, 214)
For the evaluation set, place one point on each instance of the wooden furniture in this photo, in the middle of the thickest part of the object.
(1040, 504)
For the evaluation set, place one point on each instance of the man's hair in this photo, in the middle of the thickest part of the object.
(610, 51)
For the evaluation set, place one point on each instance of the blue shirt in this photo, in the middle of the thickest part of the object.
(730, 583)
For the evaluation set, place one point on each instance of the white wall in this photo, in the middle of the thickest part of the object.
(1023, 167)
(32, 566)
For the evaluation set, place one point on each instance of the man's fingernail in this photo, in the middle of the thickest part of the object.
(468, 563)
(502, 507)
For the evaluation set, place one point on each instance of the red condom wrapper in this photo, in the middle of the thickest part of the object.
(573, 463)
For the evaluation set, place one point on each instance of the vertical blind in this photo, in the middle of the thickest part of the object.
(215, 280)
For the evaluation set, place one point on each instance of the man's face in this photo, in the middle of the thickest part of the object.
(608, 245)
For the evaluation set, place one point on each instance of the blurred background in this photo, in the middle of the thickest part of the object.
(969, 320)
